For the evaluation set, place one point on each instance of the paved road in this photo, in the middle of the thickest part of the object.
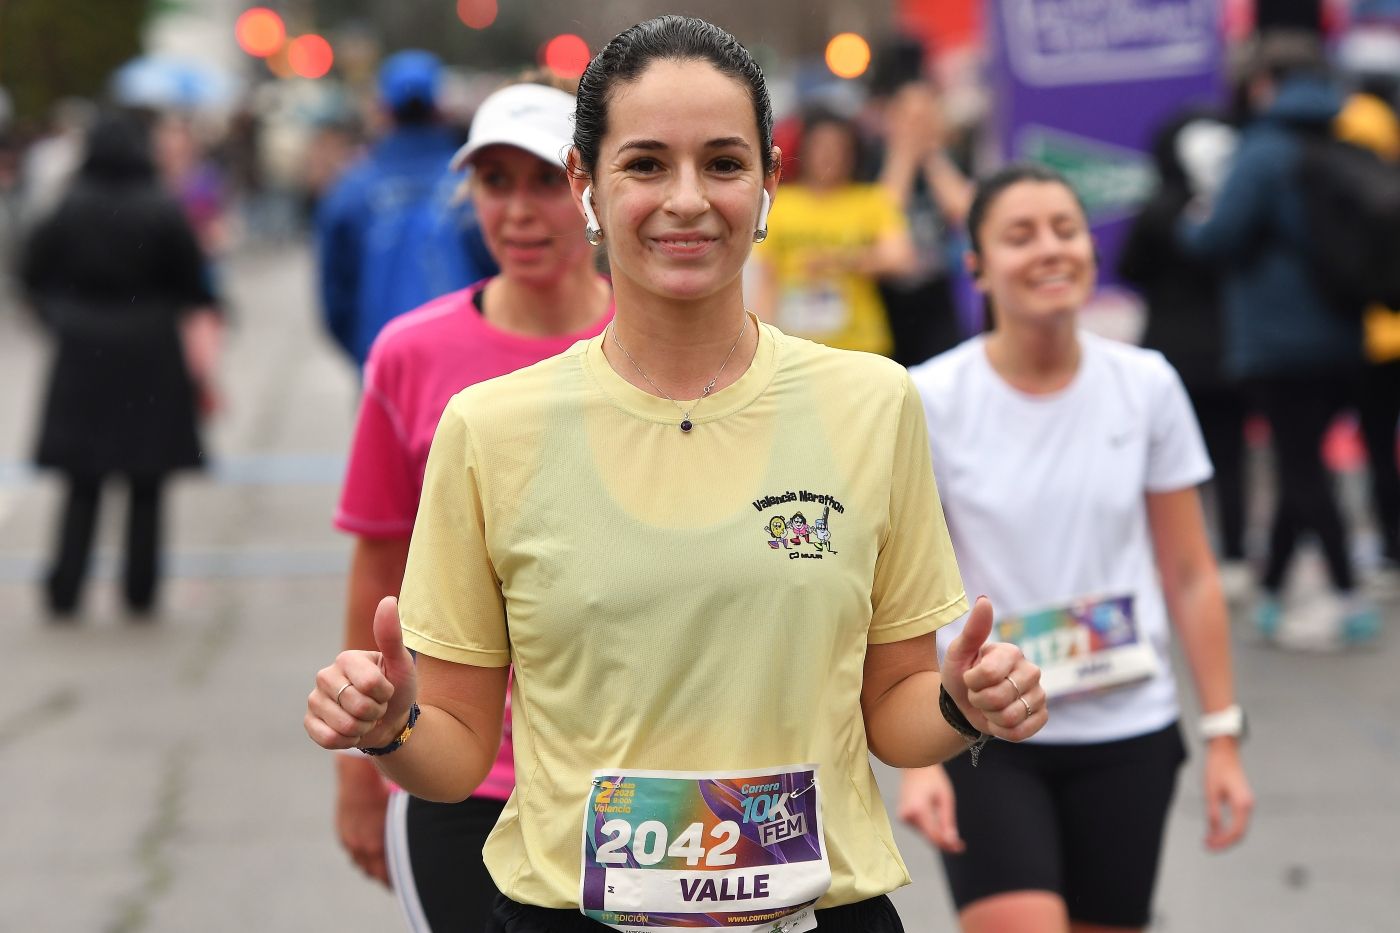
(156, 778)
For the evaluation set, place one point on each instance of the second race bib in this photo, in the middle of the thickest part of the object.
(813, 310)
(666, 850)
(1085, 647)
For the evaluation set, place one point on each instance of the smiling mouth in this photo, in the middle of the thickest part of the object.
(685, 244)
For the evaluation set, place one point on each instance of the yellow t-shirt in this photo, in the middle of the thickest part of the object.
(655, 616)
(839, 309)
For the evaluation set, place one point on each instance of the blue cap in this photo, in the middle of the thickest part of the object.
(408, 76)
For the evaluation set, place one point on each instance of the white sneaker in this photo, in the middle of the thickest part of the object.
(1313, 625)
(1236, 581)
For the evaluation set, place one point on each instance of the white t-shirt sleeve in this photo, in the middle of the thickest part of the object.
(1176, 454)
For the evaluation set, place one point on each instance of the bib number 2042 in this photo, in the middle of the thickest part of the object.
(649, 844)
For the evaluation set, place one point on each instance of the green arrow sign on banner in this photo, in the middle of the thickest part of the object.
(1111, 180)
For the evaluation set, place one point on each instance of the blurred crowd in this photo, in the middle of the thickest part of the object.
(867, 251)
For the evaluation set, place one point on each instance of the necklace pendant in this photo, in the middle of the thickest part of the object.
(686, 425)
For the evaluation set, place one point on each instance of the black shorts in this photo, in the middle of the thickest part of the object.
(1082, 821)
(876, 915)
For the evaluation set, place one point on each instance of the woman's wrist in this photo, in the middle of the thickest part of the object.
(395, 739)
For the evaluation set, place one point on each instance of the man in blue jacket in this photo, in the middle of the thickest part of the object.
(389, 234)
(1296, 354)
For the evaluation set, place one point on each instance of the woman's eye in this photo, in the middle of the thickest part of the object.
(727, 164)
(645, 166)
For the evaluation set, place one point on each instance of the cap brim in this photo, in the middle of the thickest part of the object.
(540, 145)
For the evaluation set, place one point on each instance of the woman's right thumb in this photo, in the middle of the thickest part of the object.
(388, 633)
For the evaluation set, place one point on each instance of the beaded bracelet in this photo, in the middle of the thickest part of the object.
(402, 738)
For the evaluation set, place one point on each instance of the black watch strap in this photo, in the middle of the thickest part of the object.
(960, 724)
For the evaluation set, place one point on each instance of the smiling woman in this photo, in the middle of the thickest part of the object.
(619, 523)
(546, 298)
(1038, 426)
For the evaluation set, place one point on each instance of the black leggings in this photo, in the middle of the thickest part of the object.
(1379, 406)
(1300, 409)
(1220, 409)
(75, 534)
(876, 915)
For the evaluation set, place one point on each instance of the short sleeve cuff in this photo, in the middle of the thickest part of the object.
(458, 654)
(922, 624)
(1186, 479)
(371, 528)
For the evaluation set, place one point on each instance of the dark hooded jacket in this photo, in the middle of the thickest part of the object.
(1182, 291)
(111, 271)
(1278, 321)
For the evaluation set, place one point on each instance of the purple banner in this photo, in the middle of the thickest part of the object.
(1082, 85)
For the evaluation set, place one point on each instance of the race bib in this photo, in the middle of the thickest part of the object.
(1086, 647)
(668, 850)
(817, 309)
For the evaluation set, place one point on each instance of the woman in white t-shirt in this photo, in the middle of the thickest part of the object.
(1068, 466)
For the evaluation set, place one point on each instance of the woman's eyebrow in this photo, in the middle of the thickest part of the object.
(648, 145)
(652, 145)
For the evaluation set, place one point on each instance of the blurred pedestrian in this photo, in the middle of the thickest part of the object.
(1068, 468)
(196, 181)
(600, 522)
(379, 241)
(51, 162)
(917, 169)
(1296, 350)
(546, 298)
(1369, 119)
(834, 239)
(1184, 315)
(113, 272)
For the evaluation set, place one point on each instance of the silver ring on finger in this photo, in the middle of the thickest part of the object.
(1014, 685)
(340, 691)
(1027, 705)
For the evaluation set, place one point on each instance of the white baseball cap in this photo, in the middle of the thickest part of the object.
(533, 117)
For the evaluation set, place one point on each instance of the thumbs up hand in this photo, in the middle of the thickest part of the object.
(363, 698)
(994, 685)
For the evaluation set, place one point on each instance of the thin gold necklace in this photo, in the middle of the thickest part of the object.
(686, 423)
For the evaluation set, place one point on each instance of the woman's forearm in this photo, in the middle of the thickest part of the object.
(444, 760)
(1202, 622)
(904, 727)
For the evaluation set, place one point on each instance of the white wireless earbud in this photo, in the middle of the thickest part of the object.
(761, 232)
(588, 208)
(593, 233)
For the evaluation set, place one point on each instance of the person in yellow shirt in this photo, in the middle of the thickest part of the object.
(1368, 121)
(693, 708)
(817, 272)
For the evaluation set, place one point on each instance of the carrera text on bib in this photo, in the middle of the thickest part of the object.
(666, 850)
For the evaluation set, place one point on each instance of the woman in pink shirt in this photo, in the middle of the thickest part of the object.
(547, 296)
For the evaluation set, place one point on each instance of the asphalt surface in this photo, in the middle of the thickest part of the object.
(155, 777)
